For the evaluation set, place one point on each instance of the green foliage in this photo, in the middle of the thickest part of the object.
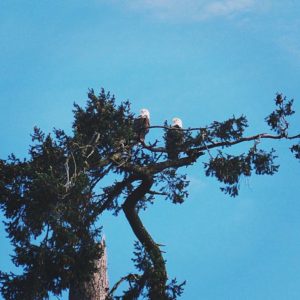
(296, 150)
(53, 200)
(49, 226)
(229, 130)
(277, 119)
(229, 169)
(141, 285)
(175, 187)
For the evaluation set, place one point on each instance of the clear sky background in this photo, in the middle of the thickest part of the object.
(198, 60)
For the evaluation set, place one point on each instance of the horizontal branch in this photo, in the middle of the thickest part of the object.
(221, 144)
(158, 167)
(293, 137)
(175, 128)
(247, 139)
(264, 135)
(157, 193)
(153, 148)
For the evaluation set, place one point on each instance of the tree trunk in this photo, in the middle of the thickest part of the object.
(159, 278)
(97, 288)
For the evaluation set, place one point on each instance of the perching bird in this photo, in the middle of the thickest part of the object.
(141, 124)
(174, 139)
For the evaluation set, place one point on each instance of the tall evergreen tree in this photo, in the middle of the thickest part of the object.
(52, 201)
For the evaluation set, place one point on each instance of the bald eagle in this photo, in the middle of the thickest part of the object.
(141, 124)
(174, 139)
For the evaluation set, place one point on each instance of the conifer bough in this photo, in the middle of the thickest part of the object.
(53, 202)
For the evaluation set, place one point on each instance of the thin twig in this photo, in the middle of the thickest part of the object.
(157, 193)
(128, 277)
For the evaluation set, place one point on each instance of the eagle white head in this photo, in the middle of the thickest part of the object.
(145, 113)
(177, 122)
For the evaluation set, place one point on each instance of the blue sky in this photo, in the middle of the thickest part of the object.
(198, 60)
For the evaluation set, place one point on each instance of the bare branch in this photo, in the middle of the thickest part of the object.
(247, 139)
(157, 193)
(171, 128)
(129, 277)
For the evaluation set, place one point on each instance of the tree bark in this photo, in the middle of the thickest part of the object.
(97, 288)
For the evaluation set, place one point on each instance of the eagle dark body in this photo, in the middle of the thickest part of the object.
(140, 127)
(174, 141)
